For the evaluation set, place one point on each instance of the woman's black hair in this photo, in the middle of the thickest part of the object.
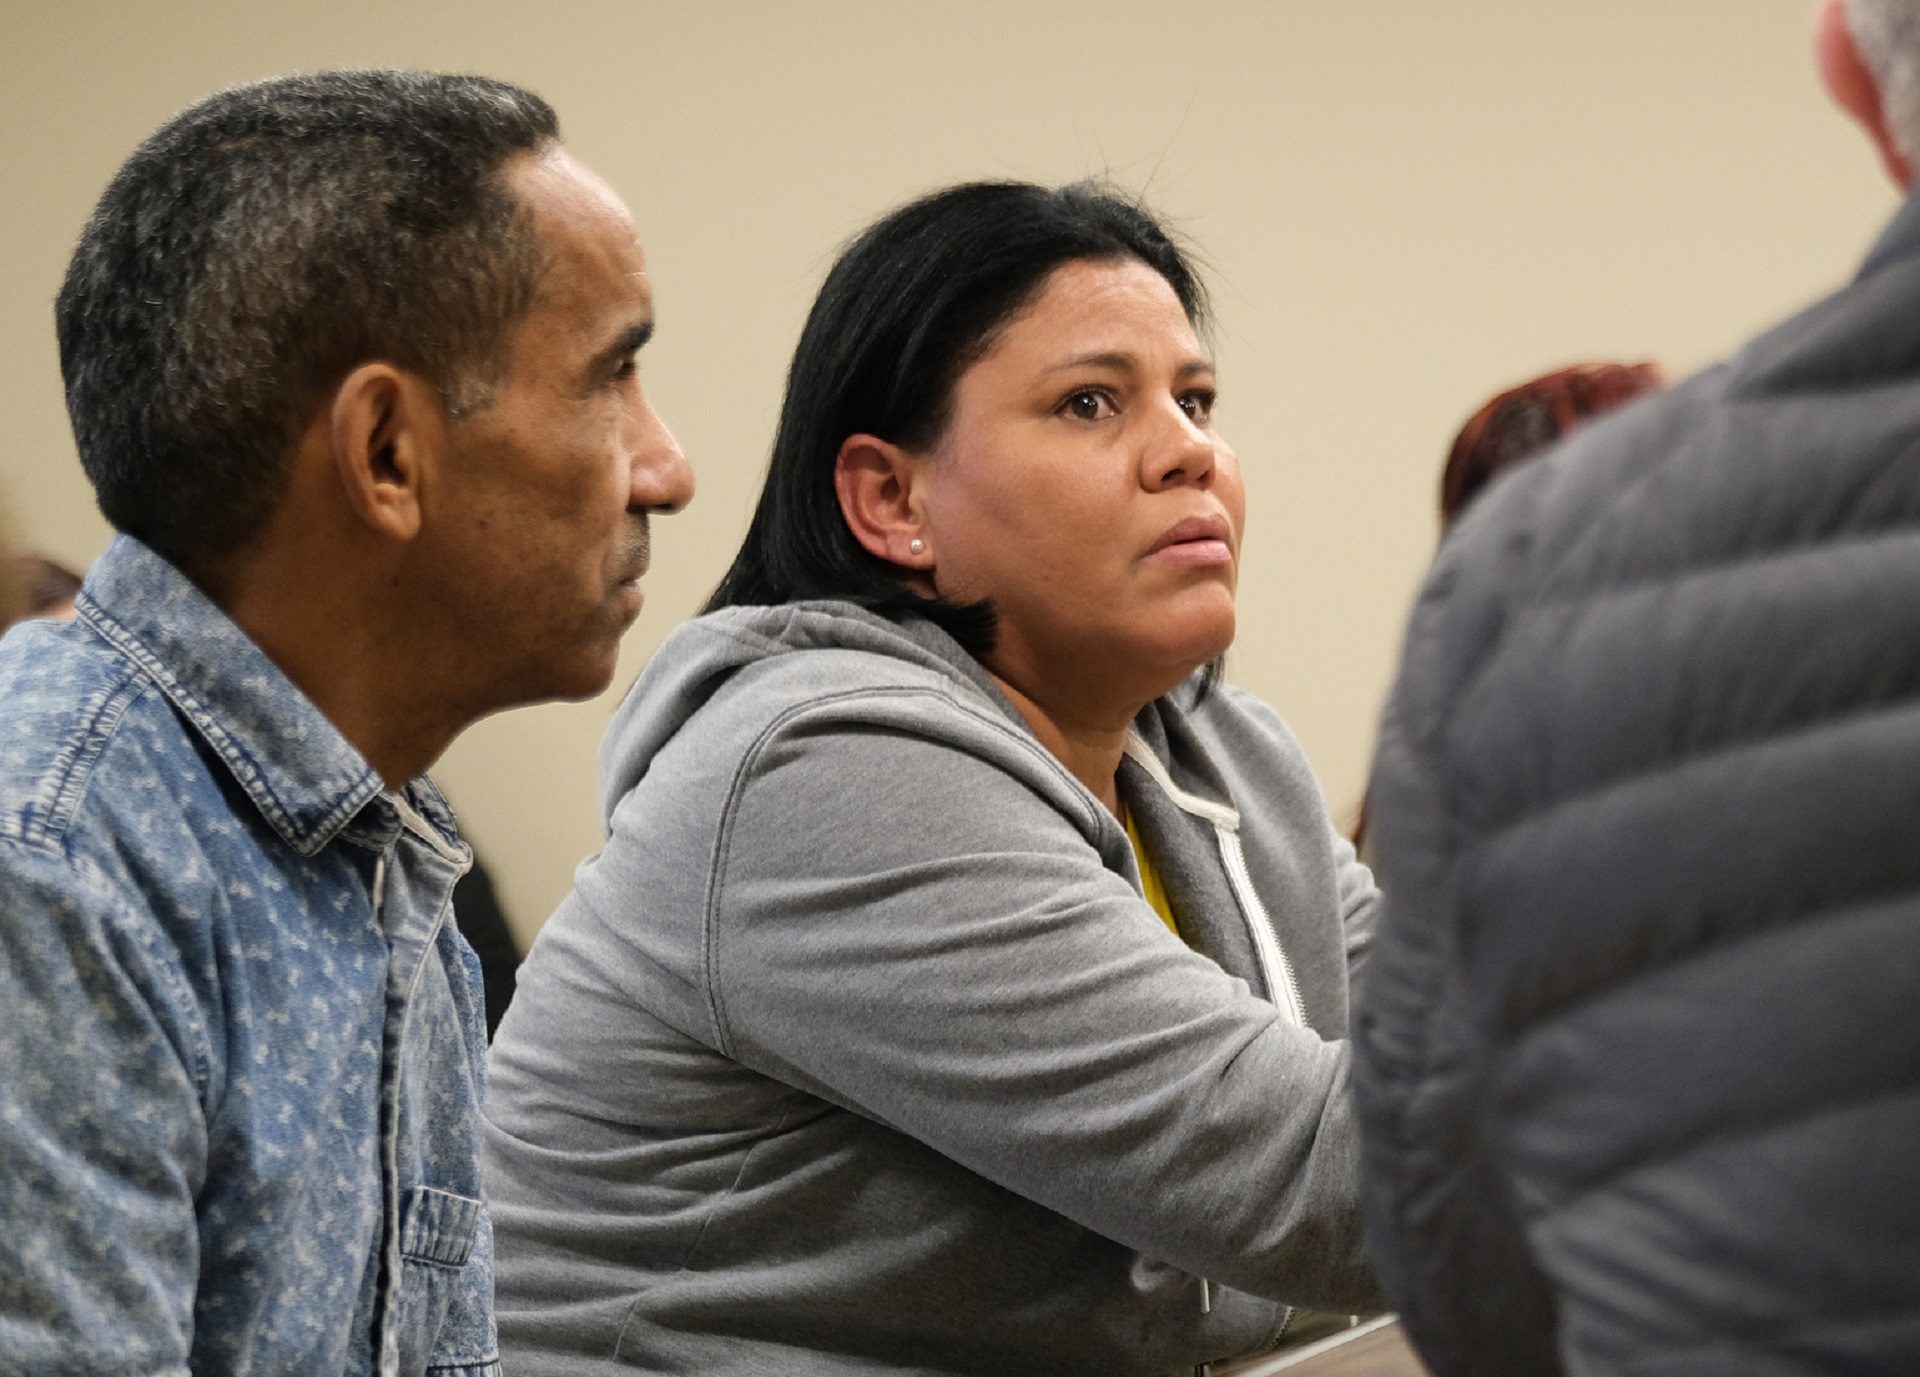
(909, 305)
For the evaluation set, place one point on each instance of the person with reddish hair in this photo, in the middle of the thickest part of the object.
(1526, 419)
(1521, 423)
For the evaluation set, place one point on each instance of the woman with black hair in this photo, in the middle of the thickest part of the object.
(963, 986)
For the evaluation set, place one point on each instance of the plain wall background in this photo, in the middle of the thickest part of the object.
(1404, 205)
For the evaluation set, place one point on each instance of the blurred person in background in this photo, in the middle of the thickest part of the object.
(1638, 1065)
(16, 594)
(50, 586)
(483, 922)
(1528, 418)
(1521, 423)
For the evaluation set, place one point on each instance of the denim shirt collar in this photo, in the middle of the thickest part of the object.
(306, 779)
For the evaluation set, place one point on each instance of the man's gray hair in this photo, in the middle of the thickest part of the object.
(1887, 32)
(257, 248)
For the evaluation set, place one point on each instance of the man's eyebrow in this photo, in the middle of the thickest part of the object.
(632, 338)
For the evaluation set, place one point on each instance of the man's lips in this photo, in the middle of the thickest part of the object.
(1209, 537)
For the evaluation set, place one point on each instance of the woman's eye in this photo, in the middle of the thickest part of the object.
(1198, 405)
(1088, 404)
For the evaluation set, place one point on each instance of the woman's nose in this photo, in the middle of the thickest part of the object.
(1182, 451)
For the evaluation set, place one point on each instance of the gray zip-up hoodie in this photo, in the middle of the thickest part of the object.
(857, 1049)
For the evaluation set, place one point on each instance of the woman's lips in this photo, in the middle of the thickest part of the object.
(1198, 540)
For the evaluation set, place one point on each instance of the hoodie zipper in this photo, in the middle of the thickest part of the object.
(1276, 967)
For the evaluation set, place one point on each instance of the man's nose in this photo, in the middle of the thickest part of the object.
(662, 478)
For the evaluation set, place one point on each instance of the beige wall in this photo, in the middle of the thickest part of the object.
(1404, 203)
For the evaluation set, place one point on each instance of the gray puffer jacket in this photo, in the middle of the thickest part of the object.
(1638, 1052)
(857, 1050)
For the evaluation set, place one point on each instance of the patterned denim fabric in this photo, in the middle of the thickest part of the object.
(240, 1037)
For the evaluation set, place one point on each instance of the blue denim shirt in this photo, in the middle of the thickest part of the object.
(240, 1038)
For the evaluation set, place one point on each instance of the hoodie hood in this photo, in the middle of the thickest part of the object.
(702, 656)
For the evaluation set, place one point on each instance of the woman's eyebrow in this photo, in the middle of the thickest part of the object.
(1121, 361)
(1103, 359)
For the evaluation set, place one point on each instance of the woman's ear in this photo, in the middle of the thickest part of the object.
(387, 428)
(881, 496)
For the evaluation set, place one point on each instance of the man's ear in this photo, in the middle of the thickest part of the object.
(387, 430)
(1853, 86)
(881, 497)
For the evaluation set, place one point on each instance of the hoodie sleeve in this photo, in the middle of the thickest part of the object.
(909, 916)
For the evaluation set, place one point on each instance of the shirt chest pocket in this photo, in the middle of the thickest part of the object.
(442, 1317)
(438, 1227)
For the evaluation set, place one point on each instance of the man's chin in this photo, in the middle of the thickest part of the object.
(569, 678)
(591, 679)
(629, 597)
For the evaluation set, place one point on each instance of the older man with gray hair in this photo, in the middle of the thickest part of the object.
(1637, 1053)
(351, 364)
